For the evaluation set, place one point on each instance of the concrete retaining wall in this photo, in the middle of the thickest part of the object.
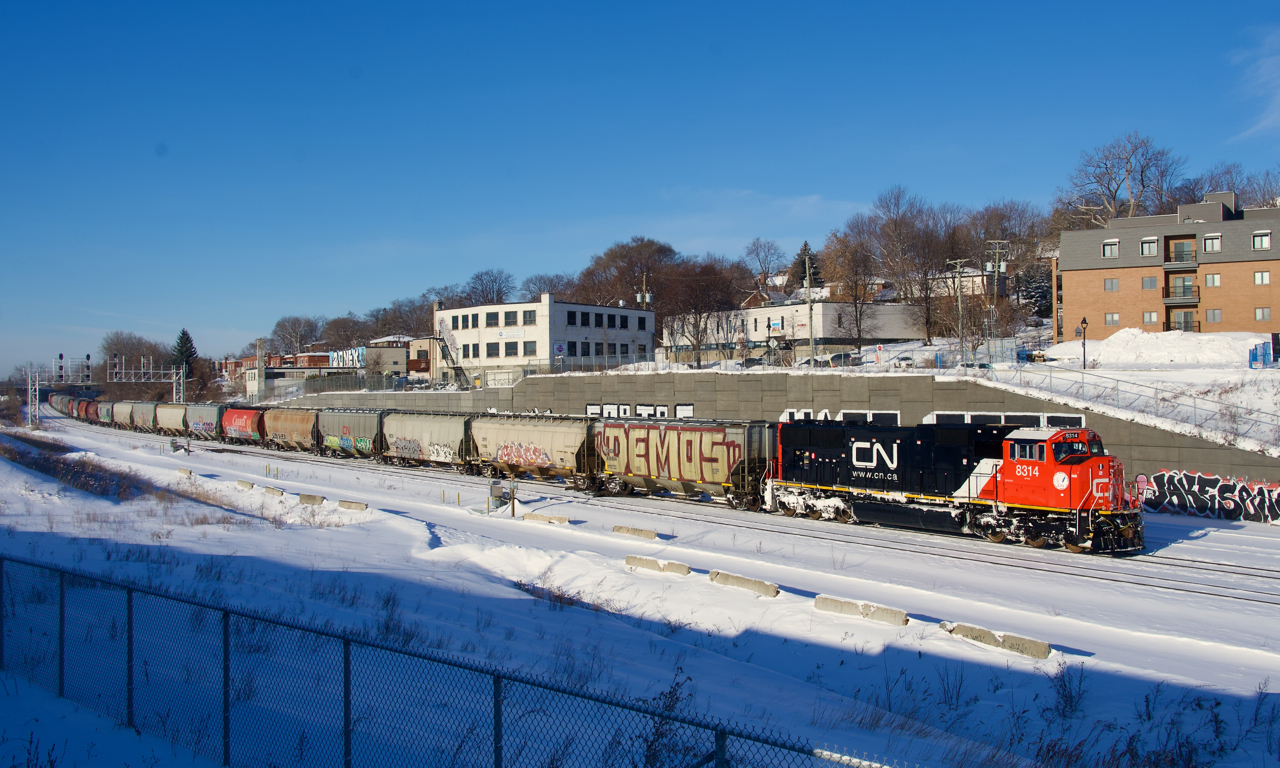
(865, 610)
(1036, 649)
(742, 582)
(713, 395)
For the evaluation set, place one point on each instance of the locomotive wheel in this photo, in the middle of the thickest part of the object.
(995, 537)
(844, 516)
(732, 500)
(788, 511)
(1035, 543)
(815, 514)
(753, 504)
(1072, 547)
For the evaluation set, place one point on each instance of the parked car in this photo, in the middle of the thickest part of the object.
(753, 362)
(845, 359)
(976, 366)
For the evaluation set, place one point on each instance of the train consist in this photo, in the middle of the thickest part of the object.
(1002, 482)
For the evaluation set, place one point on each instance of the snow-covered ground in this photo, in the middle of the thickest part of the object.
(1161, 646)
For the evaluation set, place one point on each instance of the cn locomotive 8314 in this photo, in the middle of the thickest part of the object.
(1035, 486)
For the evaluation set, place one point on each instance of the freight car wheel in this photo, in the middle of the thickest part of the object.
(754, 503)
(488, 470)
(844, 516)
(1035, 543)
(995, 537)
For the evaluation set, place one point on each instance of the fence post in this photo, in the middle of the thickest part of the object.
(128, 664)
(497, 721)
(226, 688)
(722, 749)
(62, 631)
(346, 703)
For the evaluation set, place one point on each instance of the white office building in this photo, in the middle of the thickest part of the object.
(483, 342)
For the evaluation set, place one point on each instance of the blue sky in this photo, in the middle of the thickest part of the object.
(217, 165)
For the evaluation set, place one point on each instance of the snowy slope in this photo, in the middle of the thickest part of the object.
(770, 662)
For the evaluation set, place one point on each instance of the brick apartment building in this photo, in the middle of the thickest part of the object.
(1207, 268)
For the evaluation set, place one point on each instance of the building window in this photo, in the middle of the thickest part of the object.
(490, 319)
(573, 349)
(622, 321)
(1149, 318)
(475, 351)
(1150, 247)
(509, 318)
(466, 351)
(1212, 243)
(455, 322)
(599, 319)
(1112, 318)
(1213, 315)
(782, 323)
(639, 349)
(491, 349)
(613, 321)
(640, 321)
(1262, 313)
(1212, 281)
(1111, 284)
(586, 319)
(1262, 241)
(531, 349)
(613, 349)
(512, 349)
(573, 318)
(755, 323)
(1262, 278)
(1149, 284)
(1111, 249)
(626, 349)
(530, 317)
(599, 349)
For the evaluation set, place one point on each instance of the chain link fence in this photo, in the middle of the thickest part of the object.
(246, 689)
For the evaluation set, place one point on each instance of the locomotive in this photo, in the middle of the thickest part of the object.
(1035, 486)
(1005, 483)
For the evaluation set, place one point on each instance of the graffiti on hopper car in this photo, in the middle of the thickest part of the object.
(522, 455)
(692, 454)
(1204, 495)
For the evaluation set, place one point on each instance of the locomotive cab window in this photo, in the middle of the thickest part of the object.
(1076, 451)
(1026, 451)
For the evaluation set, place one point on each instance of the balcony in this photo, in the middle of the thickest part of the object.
(1181, 295)
(1187, 326)
(1180, 260)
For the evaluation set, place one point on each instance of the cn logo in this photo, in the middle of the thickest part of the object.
(864, 455)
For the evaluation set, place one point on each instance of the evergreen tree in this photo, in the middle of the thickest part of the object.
(795, 275)
(184, 351)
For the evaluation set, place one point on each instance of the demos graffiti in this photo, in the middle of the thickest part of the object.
(670, 451)
(1202, 495)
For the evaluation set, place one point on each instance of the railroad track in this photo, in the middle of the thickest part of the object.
(1131, 571)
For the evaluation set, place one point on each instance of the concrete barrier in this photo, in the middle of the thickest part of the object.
(272, 491)
(1036, 649)
(184, 472)
(535, 517)
(245, 484)
(742, 582)
(642, 533)
(665, 566)
(358, 506)
(864, 610)
(310, 499)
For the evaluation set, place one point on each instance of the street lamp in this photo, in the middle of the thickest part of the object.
(1082, 331)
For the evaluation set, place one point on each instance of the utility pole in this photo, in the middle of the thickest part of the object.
(999, 251)
(956, 264)
(808, 289)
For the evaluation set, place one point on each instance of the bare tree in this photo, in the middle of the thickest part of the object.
(346, 332)
(850, 260)
(1128, 177)
(491, 286)
(535, 285)
(292, 334)
(764, 256)
(1261, 190)
(702, 289)
(618, 274)
(897, 212)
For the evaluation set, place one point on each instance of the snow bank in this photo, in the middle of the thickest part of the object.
(1132, 348)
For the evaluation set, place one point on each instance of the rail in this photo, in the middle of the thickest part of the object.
(241, 687)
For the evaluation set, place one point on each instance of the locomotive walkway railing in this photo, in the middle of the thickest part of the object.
(242, 688)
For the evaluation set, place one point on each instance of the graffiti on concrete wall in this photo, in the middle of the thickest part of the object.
(1204, 495)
